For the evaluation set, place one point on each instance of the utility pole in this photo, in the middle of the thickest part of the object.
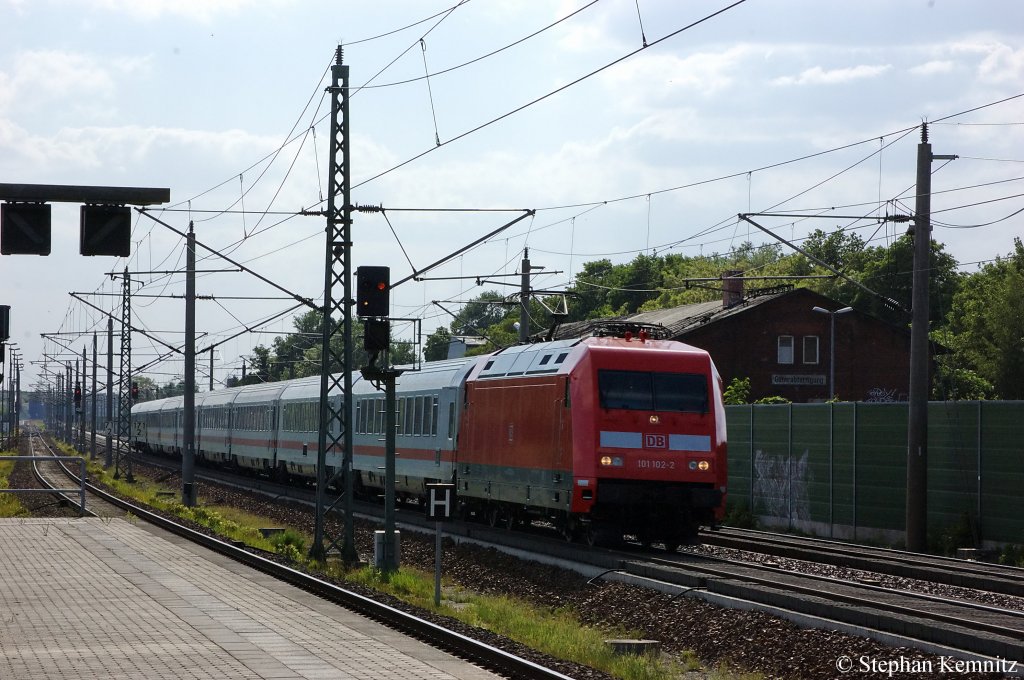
(108, 454)
(94, 394)
(524, 296)
(17, 400)
(69, 406)
(917, 420)
(211, 368)
(188, 449)
(81, 407)
(124, 402)
(335, 432)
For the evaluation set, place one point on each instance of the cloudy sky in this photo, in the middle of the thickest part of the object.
(769, 105)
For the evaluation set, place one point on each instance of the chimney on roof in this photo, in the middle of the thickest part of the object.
(732, 288)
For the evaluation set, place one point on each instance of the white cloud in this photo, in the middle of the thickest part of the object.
(43, 76)
(1003, 64)
(819, 76)
(652, 79)
(117, 150)
(202, 11)
(933, 68)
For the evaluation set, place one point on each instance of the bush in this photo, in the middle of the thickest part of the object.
(1012, 555)
(774, 399)
(958, 535)
(289, 544)
(738, 392)
(739, 516)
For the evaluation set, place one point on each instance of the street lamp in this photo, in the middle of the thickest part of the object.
(832, 345)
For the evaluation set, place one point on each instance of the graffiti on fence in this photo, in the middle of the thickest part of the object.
(880, 394)
(781, 485)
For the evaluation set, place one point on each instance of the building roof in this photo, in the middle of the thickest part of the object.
(672, 321)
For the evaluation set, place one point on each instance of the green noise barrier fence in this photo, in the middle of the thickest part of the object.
(839, 470)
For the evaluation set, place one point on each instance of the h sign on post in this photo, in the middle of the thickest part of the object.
(440, 501)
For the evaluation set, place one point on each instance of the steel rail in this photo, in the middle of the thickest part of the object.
(455, 643)
(1002, 579)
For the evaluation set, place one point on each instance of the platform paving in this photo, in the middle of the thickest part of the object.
(109, 598)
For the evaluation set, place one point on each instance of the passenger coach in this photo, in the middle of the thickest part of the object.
(602, 437)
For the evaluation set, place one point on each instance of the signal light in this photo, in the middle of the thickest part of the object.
(25, 229)
(78, 395)
(376, 335)
(373, 291)
(135, 391)
(105, 230)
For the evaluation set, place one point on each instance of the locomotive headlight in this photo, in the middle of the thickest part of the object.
(704, 466)
(693, 465)
(606, 460)
(655, 419)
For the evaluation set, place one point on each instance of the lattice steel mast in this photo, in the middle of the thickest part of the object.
(124, 405)
(335, 433)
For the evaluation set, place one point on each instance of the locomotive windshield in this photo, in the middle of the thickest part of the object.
(648, 391)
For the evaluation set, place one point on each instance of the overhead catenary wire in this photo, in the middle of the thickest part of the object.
(484, 56)
(544, 96)
(570, 248)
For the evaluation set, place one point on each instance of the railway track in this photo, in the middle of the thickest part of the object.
(994, 578)
(940, 621)
(893, 615)
(53, 474)
(488, 656)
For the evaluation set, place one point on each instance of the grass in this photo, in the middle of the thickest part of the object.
(555, 632)
(9, 504)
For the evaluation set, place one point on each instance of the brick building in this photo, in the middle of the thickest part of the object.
(781, 344)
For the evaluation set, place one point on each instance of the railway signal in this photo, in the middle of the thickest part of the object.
(105, 230)
(373, 291)
(25, 229)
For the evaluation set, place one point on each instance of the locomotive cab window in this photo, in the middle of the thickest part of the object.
(645, 391)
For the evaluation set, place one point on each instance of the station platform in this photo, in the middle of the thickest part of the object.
(108, 598)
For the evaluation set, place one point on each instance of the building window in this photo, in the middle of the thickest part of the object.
(785, 349)
(810, 349)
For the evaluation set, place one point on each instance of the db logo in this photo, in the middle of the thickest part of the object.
(655, 441)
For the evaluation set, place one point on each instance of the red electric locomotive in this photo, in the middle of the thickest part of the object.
(606, 437)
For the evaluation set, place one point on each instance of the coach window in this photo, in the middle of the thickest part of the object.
(451, 420)
(433, 417)
(810, 349)
(417, 428)
(426, 416)
(785, 349)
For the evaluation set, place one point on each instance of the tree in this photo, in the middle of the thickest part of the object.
(591, 289)
(477, 315)
(402, 353)
(738, 392)
(889, 272)
(290, 349)
(986, 323)
(436, 347)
